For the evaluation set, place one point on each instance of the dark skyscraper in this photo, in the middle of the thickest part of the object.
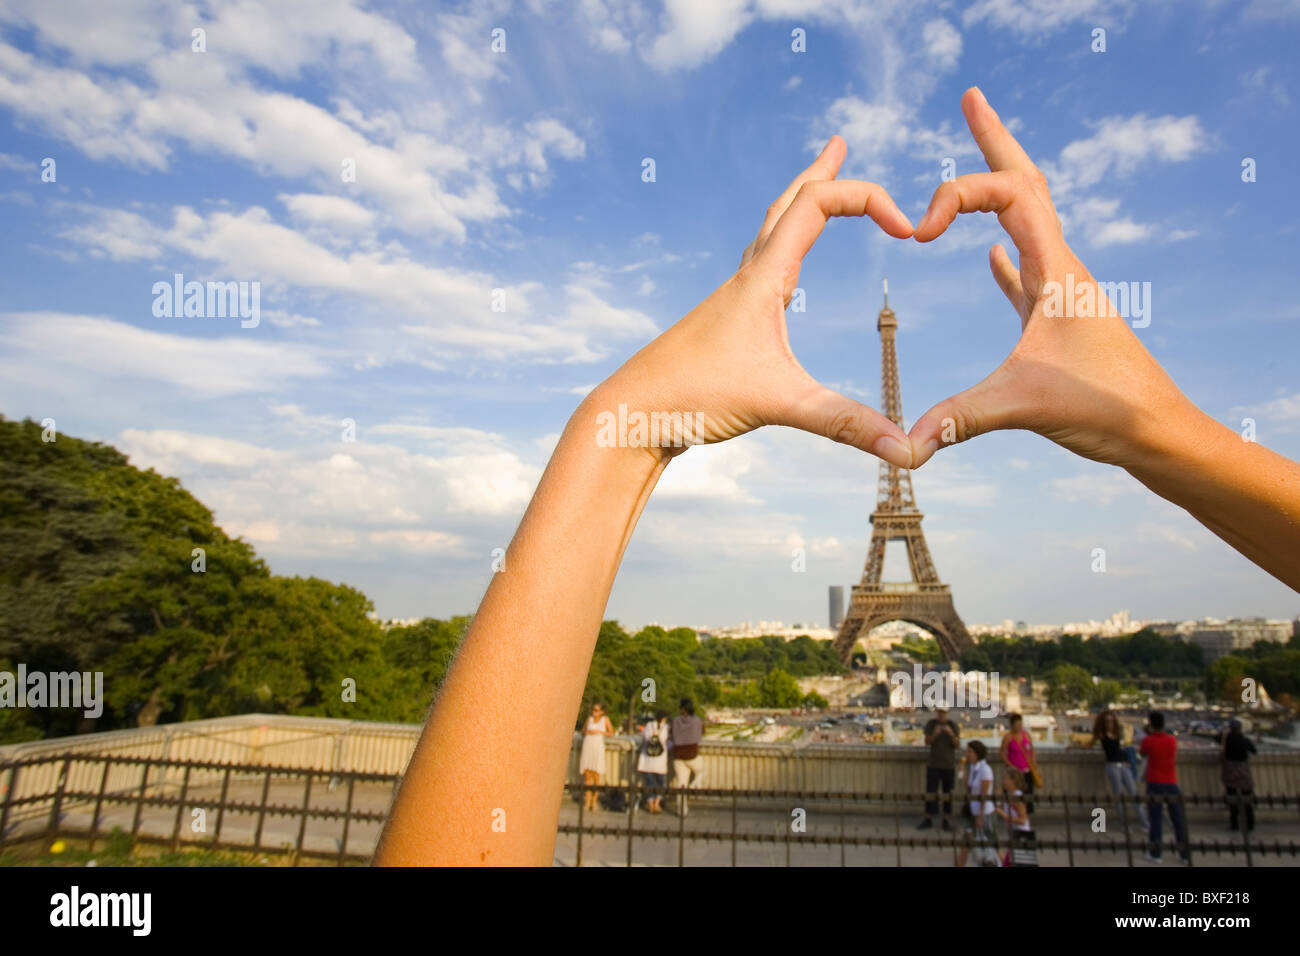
(837, 605)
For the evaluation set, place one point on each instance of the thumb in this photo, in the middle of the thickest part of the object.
(985, 407)
(823, 411)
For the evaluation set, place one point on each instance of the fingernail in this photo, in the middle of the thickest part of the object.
(893, 451)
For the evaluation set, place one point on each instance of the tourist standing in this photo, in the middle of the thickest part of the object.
(1237, 779)
(652, 764)
(592, 762)
(685, 734)
(1018, 751)
(1119, 771)
(943, 737)
(1161, 751)
(979, 807)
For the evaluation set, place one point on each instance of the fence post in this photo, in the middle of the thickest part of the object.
(898, 832)
(139, 799)
(302, 824)
(843, 849)
(180, 809)
(1245, 829)
(735, 836)
(261, 813)
(9, 797)
(681, 839)
(52, 827)
(582, 805)
(631, 807)
(1069, 839)
(99, 802)
(221, 807)
(347, 820)
(1128, 829)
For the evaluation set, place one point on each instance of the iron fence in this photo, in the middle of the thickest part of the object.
(80, 792)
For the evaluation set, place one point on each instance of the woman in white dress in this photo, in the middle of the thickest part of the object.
(979, 811)
(653, 762)
(592, 763)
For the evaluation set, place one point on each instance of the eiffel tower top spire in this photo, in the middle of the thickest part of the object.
(894, 488)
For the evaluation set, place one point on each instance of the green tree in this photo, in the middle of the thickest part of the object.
(1105, 693)
(1068, 685)
(777, 688)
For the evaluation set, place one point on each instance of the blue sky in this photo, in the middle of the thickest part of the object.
(522, 171)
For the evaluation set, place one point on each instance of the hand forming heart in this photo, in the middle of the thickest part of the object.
(1084, 381)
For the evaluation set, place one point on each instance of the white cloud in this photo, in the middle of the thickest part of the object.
(1284, 410)
(693, 32)
(877, 133)
(206, 366)
(1099, 488)
(429, 169)
(942, 43)
(334, 211)
(579, 324)
(1120, 146)
(1031, 18)
(709, 471)
(368, 496)
(1154, 533)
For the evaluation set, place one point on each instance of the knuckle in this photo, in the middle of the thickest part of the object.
(845, 426)
(960, 423)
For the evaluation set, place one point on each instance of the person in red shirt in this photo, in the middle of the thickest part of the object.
(1161, 750)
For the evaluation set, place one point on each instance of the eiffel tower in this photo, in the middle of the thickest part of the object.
(925, 600)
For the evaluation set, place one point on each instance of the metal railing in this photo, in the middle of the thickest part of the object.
(155, 795)
(321, 743)
(1076, 839)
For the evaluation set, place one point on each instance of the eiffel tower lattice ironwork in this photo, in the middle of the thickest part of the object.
(925, 600)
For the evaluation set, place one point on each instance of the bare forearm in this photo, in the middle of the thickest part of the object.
(484, 784)
(1247, 495)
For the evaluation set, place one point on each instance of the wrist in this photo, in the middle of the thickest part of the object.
(628, 425)
(1185, 443)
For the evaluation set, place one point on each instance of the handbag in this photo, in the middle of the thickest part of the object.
(1024, 848)
(1038, 777)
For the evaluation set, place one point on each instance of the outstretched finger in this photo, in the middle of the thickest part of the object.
(825, 166)
(813, 205)
(1007, 277)
(1001, 150)
(1031, 223)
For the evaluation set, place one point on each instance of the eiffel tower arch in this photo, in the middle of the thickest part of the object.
(925, 600)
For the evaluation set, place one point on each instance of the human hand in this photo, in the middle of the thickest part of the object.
(728, 362)
(1078, 375)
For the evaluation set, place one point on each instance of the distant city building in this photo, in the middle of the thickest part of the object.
(772, 628)
(837, 606)
(1215, 637)
(1220, 638)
